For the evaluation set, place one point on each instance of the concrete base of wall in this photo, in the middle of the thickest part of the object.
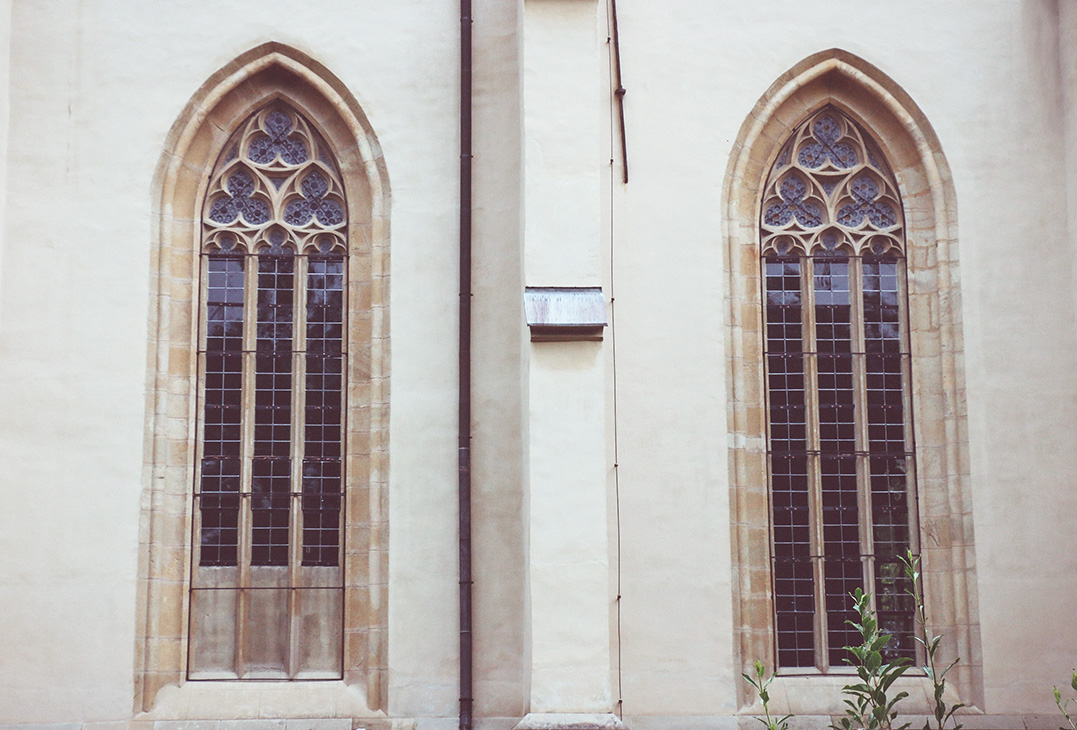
(824, 722)
(541, 721)
(569, 721)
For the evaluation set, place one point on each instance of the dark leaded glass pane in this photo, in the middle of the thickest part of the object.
(218, 502)
(841, 517)
(271, 470)
(785, 355)
(794, 583)
(885, 358)
(270, 503)
(842, 567)
(794, 594)
(794, 598)
(224, 304)
(275, 303)
(889, 464)
(273, 359)
(889, 505)
(837, 421)
(222, 415)
(322, 500)
(895, 609)
(842, 577)
(789, 500)
(224, 391)
(886, 403)
(890, 533)
(881, 306)
(322, 475)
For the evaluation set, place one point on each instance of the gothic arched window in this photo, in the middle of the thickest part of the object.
(267, 577)
(840, 437)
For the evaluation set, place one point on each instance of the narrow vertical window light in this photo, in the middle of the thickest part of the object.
(841, 456)
(267, 568)
(322, 438)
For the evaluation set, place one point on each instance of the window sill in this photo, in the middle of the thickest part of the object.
(243, 700)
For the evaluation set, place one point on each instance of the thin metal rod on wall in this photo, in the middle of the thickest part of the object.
(464, 409)
(619, 91)
(611, 20)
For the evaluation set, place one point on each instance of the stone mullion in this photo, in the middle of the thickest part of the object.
(345, 540)
(815, 481)
(768, 465)
(199, 449)
(200, 418)
(911, 467)
(250, 334)
(295, 520)
(860, 415)
(749, 644)
(907, 405)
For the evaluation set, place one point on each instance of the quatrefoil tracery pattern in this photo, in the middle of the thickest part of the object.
(277, 140)
(226, 208)
(828, 191)
(865, 193)
(314, 203)
(275, 188)
(826, 146)
(791, 205)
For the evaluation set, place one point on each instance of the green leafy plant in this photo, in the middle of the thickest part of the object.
(1063, 706)
(943, 713)
(761, 681)
(869, 705)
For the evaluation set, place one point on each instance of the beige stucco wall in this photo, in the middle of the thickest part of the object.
(95, 87)
(984, 74)
(5, 114)
(568, 555)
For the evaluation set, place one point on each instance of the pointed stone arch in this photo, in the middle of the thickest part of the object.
(908, 142)
(260, 76)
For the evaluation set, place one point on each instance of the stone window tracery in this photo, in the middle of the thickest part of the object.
(841, 457)
(267, 586)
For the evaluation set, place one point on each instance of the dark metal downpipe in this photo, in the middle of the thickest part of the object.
(464, 426)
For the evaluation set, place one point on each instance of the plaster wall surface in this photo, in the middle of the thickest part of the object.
(568, 549)
(562, 132)
(569, 565)
(985, 76)
(93, 89)
(499, 381)
(1066, 23)
(5, 116)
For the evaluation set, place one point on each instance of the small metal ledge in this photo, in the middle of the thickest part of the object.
(565, 313)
